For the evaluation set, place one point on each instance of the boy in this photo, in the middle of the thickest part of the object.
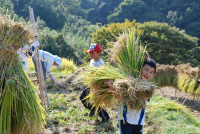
(134, 120)
(96, 61)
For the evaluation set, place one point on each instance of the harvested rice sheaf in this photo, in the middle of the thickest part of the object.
(130, 91)
(133, 91)
(20, 109)
(183, 76)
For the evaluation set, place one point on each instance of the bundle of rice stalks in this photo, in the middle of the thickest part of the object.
(96, 79)
(192, 87)
(131, 91)
(197, 91)
(129, 56)
(183, 76)
(20, 109)
(183, 82)
(187, 69)
(165, 75)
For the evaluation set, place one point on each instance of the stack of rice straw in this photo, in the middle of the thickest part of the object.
(20, 109)
(183, 77)
(128, 57)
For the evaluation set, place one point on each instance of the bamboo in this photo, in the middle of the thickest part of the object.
(186, 98)
(42, 85)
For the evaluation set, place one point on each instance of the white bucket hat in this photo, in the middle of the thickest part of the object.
(58, 61)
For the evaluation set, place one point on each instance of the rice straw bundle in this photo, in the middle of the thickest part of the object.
(192, 86)
(20, 109)
(97, 79)
(128, 55)
(183, 76)
(197, 91)
(166, 75)
(130, 91)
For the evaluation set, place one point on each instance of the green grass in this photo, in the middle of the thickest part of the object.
(163, 116)
(168, 117)
(66, 110)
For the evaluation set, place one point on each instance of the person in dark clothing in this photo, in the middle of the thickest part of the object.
(96, 61)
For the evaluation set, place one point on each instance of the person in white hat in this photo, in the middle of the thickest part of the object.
(47, 61)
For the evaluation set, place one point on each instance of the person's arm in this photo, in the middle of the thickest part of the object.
(145, 98)
(112, 89)
(130, 77)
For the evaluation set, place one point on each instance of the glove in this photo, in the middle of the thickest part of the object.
(51, 76)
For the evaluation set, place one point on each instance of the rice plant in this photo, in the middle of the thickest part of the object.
(183, 77)
(20, 109)
(128, 53)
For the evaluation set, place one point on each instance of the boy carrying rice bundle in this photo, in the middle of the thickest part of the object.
(96, 61)
(131, 120)
(129, 59)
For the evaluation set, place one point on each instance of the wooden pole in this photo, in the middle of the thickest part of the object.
(186, 98)
(42, 85)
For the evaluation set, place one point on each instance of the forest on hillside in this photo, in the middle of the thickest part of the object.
(68, 27)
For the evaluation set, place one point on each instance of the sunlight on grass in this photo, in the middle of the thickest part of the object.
(169, 117)
(30, 64)
(67, 66)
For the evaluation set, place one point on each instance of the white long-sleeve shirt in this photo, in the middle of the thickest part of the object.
(48, 58)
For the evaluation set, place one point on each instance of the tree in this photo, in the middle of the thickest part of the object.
(57, 45)
(6, 5)
(110, 34)
(129, 9)
(98, 10)
(165, 44)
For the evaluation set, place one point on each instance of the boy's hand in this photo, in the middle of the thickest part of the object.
(145, 98)
(110, 83)
(130, 77)
(112, 89)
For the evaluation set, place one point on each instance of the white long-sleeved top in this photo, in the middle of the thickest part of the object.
(48, 58)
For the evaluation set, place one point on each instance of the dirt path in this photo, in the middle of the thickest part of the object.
(194, 105)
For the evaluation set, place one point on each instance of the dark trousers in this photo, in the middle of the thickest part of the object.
(101, 112)
(129, 128)
(43, 67)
